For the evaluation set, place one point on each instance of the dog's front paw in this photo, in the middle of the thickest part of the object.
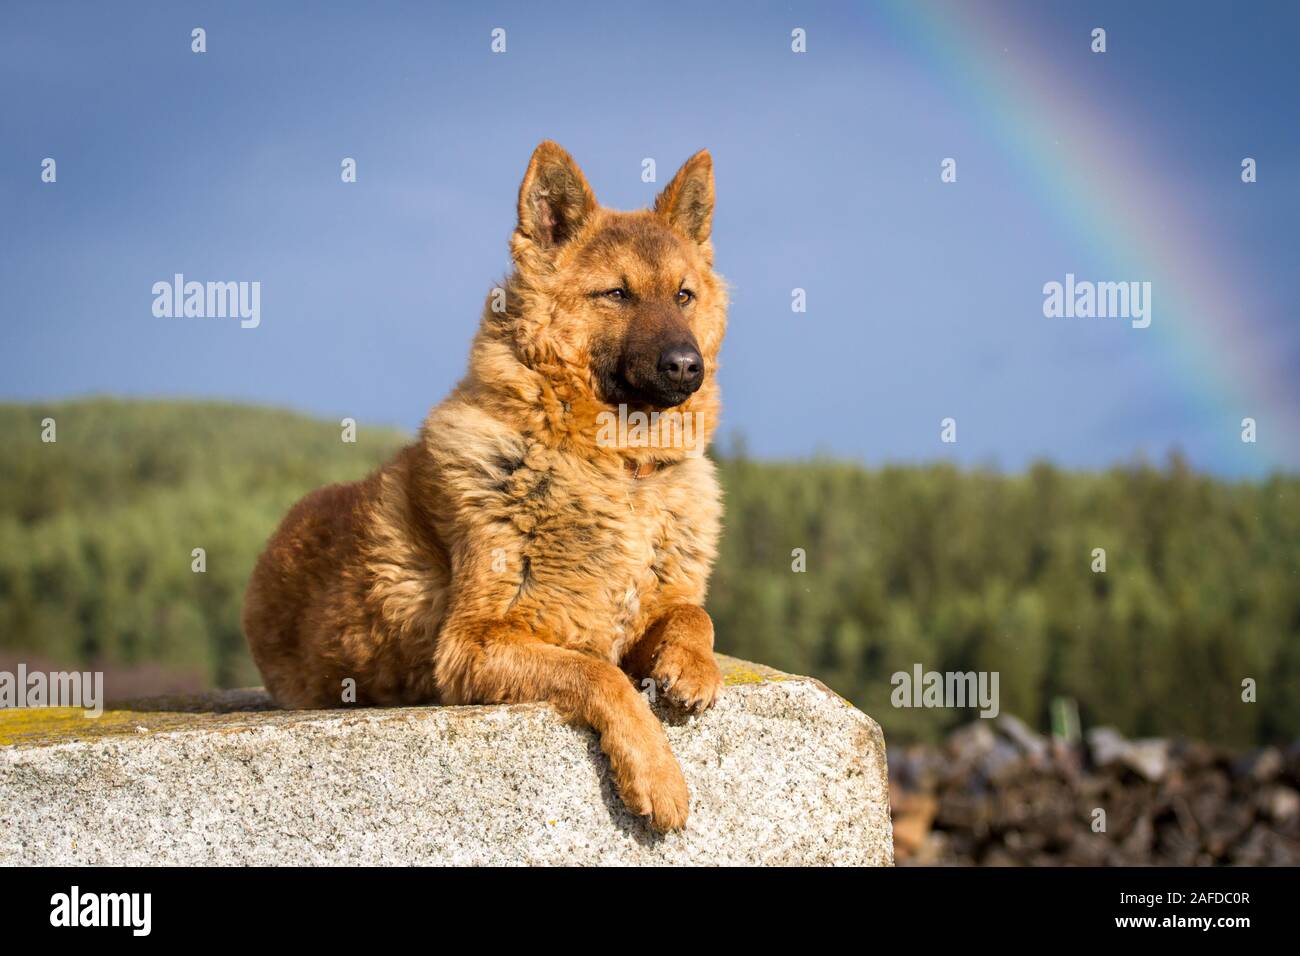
(647, 774)
(658, 791)
(689, 677)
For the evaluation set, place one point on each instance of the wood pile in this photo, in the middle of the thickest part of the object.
(997, 793)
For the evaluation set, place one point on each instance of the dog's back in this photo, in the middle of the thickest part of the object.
(328, 597)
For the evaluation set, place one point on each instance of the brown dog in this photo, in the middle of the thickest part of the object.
(538, 542)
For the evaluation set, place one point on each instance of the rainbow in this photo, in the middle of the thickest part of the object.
(1117, 198)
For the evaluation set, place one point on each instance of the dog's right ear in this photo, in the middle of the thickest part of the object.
(554, 201)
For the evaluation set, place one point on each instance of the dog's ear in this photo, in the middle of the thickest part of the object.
(554, 198)
(687, 201)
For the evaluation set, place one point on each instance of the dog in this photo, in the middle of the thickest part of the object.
(514, 552)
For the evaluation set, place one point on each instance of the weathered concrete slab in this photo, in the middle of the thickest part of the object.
(781, 771)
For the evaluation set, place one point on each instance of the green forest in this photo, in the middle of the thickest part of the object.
(952, 569)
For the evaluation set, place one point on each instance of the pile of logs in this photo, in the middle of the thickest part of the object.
(996, 793)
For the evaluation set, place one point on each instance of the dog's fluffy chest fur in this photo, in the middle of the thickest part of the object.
(576, 549)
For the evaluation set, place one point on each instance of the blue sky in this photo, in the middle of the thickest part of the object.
(924, 298)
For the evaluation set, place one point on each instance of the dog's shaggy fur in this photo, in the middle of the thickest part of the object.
(509, 554)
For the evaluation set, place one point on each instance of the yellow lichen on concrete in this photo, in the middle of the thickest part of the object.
(41, 725)
(737, 672)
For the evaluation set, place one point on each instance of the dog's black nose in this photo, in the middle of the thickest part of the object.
(683, 366)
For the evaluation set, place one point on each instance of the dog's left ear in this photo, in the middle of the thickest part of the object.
(687, 201)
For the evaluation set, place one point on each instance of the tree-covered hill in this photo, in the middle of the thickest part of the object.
(930, 565)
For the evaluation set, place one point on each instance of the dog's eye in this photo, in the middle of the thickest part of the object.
(684, 296)
(613, 294)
